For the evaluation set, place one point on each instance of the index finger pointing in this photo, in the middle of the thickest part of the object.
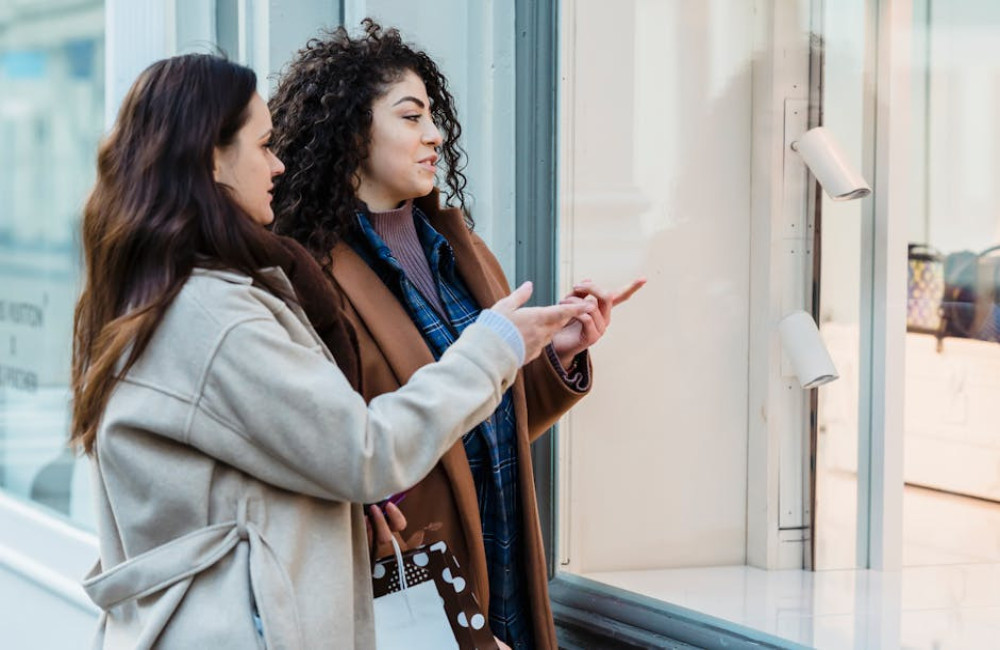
(627, 292)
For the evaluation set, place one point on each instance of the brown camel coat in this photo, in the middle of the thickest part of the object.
(392, 349)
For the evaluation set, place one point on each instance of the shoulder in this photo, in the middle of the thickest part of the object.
(210, 305)
(214, 301)
(231, 293)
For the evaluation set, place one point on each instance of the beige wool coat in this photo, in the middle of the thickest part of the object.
(229, 463)
(392, 349)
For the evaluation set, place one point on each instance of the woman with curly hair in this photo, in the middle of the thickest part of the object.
(365, 125)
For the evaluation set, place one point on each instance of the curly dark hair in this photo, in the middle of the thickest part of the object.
(322, 129)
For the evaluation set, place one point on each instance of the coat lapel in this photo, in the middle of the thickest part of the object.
(451, 225)
(382, 314)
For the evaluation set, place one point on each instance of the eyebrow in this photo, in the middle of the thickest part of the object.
(410, 98)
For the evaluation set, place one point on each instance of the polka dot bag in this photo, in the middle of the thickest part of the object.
(430, 606)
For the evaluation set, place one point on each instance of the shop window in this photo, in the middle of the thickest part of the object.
(51, 58)
(656, 181)
(951, 498)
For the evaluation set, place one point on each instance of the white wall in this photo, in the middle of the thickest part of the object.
(656, 177)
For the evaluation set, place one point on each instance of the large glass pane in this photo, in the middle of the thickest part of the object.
(51, 119)
(952, 441)
(843, 69)
(656, 181)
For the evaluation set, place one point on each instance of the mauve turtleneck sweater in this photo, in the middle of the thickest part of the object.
(397, 230)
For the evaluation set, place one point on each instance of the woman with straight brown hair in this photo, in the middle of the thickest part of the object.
(229, 449)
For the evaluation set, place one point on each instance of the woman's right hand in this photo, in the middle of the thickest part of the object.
(537, 325)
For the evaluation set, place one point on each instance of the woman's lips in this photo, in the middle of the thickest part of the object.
(429, 163)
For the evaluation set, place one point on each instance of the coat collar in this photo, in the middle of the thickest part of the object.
(238, 277)
(450, 222)
(382, 313)
(275, 274)
(227, 275)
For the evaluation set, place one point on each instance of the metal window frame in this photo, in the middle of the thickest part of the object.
(535, 219)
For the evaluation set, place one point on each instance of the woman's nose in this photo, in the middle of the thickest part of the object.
(277, 167)
(432, 135)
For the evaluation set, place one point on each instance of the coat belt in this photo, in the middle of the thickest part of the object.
(184, 557)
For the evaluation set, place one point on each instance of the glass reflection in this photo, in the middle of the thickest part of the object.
(951, 507)
(51, 118)
(656, 181)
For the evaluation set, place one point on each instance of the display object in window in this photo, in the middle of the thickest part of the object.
(925, 289)
(972, 285)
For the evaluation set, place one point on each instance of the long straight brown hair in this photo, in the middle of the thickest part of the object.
(155, 211)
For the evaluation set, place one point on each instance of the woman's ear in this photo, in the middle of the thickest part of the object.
(215, 164)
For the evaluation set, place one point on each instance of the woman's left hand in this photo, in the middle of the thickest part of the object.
(585, 330)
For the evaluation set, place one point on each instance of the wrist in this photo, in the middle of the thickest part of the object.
(568, 361)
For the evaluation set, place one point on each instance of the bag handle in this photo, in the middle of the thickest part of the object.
(401, 572)
(400, 568)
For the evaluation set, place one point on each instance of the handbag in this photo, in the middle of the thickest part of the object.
(925, 289)
(972, 283)
(428, 604)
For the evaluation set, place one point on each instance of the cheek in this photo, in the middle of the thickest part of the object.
(386, 165)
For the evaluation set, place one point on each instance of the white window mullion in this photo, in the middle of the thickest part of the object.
(139, 32)
(888, 297)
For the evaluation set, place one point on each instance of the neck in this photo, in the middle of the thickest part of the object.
(375, 200)
(395, 224)
(385, 205)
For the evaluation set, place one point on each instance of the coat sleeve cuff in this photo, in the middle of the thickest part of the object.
(505, 329)
(577, 376)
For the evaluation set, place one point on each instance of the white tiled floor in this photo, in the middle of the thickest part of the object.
(953, 607)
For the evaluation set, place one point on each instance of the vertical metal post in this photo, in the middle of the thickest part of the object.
(536, 64)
